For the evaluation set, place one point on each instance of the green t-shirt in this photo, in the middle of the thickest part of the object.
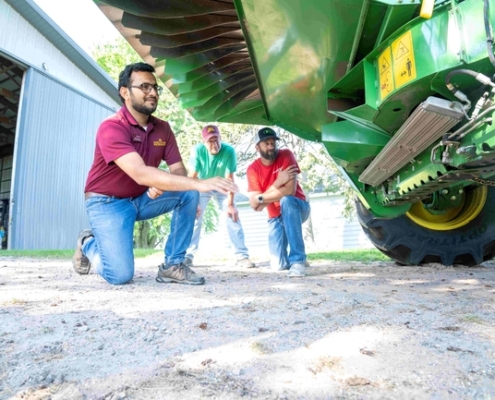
(209, 166)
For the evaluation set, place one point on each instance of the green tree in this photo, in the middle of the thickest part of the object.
(113, 57)
(319, 171)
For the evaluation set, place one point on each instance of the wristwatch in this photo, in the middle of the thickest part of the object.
(260, 199)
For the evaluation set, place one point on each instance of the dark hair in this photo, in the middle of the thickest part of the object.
(125, 75)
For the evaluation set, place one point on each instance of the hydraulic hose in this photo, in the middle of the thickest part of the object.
(456, 92)
(462, 129)
(488, 30)
(474, 127)
(476, 75)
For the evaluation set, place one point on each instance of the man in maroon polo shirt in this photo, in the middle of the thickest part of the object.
(124, 185)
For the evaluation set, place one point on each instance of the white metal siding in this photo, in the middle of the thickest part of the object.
(18, 37)
(54, 149)
(332, 231)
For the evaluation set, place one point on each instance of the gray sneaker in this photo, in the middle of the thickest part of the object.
(245, 262)
(80, 262)
(179, 273)
(188, 262)
(297, 270)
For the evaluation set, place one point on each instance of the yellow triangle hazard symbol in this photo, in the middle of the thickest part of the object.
(384, 65)
(402, 50)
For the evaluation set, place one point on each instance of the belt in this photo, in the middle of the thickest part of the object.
(87, 195)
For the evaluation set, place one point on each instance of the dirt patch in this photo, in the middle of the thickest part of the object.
(347, 330)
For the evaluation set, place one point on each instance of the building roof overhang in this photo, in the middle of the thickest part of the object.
(48, 28)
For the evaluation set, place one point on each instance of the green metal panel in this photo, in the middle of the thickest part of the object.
(345, 72)
(299, 50)
(438, 47)
(365, 142)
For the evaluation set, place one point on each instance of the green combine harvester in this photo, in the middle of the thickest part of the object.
(400, 92)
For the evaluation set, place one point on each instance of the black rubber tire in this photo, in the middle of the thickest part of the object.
(408, 243)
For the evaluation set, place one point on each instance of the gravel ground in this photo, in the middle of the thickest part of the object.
(348, 330)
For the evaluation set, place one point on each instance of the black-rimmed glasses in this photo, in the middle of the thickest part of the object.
(147, 87)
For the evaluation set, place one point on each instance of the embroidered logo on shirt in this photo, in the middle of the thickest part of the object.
(137, 139)
(159, 142)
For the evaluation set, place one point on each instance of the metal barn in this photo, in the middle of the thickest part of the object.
(52, 98)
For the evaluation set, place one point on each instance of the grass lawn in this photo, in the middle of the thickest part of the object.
(344, 255)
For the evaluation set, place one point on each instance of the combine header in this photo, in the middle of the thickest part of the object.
(400, 92)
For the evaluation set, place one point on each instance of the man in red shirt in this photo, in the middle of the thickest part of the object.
(124, 185)
(272, 184)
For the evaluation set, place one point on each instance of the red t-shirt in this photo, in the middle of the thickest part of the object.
(260, 177)
(120, 134)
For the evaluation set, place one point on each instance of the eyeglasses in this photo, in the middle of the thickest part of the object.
(147, 87)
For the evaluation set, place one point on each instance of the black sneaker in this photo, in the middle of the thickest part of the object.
(179, 273)
(80, 262)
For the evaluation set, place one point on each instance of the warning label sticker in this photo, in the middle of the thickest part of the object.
(403, 59)
(386, 73)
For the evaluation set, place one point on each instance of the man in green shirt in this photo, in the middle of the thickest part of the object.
(210, 159)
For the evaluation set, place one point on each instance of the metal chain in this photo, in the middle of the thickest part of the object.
(483, 181)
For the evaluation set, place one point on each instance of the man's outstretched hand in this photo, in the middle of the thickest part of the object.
(222, 185)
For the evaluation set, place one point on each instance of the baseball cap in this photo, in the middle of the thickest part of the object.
(266, 133)
(210, 131)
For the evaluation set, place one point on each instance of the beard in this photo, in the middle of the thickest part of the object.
(269, 155)
(143, 108)
(214, 150)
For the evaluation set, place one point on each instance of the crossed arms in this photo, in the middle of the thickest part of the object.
(284, 185)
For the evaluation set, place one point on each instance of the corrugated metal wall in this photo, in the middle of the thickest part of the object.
(20, 39)
(53, 153)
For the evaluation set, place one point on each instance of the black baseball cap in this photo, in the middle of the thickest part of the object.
(266, 133)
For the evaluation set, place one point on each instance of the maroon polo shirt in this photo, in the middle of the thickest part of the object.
(120, 134)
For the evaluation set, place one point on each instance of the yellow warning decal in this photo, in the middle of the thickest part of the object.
(385, 72)
(403, 59)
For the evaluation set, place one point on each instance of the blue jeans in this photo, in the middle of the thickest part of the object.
(112, 220)
(234, 229)
(286, 231)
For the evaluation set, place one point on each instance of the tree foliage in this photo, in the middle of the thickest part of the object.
(113, 57)
(319, 171)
